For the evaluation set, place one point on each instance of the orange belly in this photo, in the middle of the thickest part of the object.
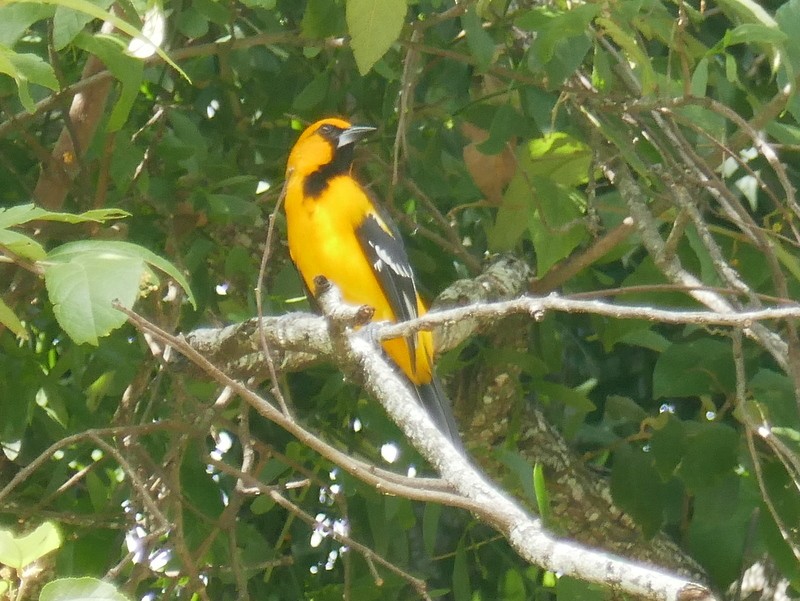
(322, 241)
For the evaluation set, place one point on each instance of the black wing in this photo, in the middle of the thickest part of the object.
(388, 257)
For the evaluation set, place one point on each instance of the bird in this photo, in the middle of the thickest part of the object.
(338, 230)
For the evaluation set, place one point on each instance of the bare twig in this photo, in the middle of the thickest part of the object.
(262, 270)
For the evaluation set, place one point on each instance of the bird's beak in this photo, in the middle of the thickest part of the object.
(353, 134)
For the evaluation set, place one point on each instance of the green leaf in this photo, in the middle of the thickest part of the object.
(25, 69)
(21, 214)
(561, 158)
(577, 397)
(227, 208)
(754, 33)
(80, 589)
(636, 55)
(313, 94)
(67, 22)
(512, 587)
(646, 338)
(694, 368)
(191, 23)
(711, 454)
(521, 470)
(22, 245)
(265, 4)
(513, 216)
(480, 43)
(15, 19)
(556, 27)
(262, 504)
(787, 18)
(84, 278)
(668, 444)
(462, 590)
(18, 552)
(561, 42)
(749, 11)
(128, 70)
(148, 256)
(637, 488)
(542, 496)
(721, 523)
(504, 126)
(775, 394)
(572, 589)
(10, 320)
(622, 409)
(83, 285)
(700, 79)
(374, 25)
(782, 491)
(378, 518)
(321, 19)
(536, 199)
(430, 527)
(556, 228)
(98, 13)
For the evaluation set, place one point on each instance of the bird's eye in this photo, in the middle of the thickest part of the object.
(326, 129)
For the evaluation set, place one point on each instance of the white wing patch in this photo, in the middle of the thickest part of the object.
(401, 269)
(385, 258)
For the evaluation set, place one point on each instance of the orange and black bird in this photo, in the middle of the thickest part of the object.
(336, 229)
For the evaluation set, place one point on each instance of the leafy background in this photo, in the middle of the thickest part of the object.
(530, 128)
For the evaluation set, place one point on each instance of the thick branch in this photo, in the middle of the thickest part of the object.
(359, 354)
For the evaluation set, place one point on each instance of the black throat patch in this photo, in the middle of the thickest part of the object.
(317, 182)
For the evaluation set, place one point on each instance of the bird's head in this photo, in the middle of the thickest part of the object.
(326, 142)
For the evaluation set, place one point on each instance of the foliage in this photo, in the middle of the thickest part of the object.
(535, 128)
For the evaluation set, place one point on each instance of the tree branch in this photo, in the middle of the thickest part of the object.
(358, 354)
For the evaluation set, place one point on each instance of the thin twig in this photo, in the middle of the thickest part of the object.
(275, 388)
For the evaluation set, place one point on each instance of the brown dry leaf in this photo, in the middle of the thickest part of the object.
(490, 172)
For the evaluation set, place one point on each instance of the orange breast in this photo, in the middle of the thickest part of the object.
(322, 241)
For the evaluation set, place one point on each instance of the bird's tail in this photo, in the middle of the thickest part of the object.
(438, 406)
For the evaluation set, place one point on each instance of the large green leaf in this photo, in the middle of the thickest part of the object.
(557, 227)
(84, 278)
(694, 368)
(20, 551)
(711, 454)
(83, 286)
(513, 216)
(637, 487)
(80, 589)
(721, 526)
(560, 157)
(374, 25)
